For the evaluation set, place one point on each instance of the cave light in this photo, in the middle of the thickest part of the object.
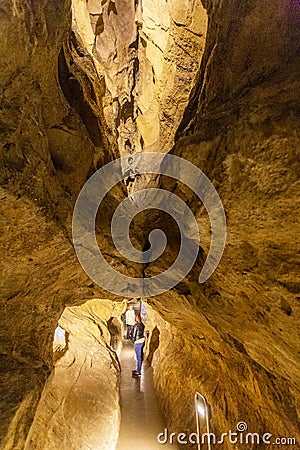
(202, 411)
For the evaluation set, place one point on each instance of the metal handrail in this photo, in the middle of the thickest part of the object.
(206, 413)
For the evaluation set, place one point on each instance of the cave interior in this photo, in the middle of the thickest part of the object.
(84, 83)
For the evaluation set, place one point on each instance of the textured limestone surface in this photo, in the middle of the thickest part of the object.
(114, 79)
(150, 52)
(50, 141)
(79, 406)
(172, 36)
(241, 128)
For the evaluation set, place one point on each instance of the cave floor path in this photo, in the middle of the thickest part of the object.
(141, 417)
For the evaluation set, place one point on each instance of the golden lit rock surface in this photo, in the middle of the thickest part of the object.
(150, 52)
(242, 129)
(111, 80)
(79, 407)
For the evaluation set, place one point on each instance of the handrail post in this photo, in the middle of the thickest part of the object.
(201, 407)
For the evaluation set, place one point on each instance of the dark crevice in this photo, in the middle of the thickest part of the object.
(58, 163)
(153, 343)
(112, 8)
(134, 45)
(126, 110)
(73, 93)
(99, 25)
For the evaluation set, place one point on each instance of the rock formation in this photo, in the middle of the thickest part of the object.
(213, 82)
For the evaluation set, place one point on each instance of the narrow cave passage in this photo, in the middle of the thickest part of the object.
(79, 406)
(141, 417)
(83, 83)
(91, 400)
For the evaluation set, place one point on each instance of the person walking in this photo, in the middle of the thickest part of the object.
(139, 344)
(130, 321)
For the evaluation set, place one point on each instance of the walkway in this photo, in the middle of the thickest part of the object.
(141, 418)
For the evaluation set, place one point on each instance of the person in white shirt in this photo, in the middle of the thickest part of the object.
(130, 321)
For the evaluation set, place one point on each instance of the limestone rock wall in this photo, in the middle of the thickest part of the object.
(241, 128)
(150, 52)
(39, 276)
(79, 406)
(38, 125)
(50, 142)
(73, 100)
